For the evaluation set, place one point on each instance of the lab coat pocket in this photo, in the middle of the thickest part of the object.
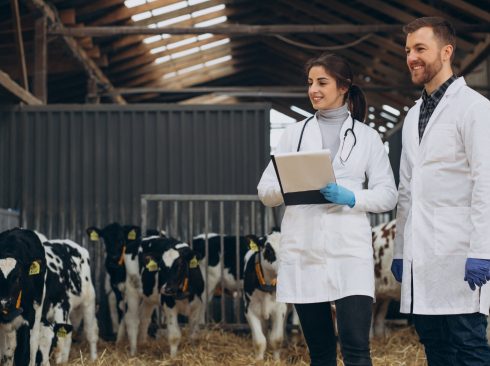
(442, 145)
(301, 237)
(452, 227)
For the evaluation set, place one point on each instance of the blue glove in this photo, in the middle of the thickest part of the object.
(397, 269)
(338, 194)
(477, 272)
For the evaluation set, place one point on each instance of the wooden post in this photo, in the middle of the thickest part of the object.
(20, 44)
(92, 94)
(40, 60)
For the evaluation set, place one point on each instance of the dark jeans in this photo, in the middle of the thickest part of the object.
(454, 340)
(353, 322)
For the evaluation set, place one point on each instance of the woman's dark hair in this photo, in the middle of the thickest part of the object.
(338, 67)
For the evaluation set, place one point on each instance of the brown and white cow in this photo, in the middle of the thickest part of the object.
(386, 287)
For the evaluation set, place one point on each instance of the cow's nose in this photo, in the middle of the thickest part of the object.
(169, 291)
(4, 303)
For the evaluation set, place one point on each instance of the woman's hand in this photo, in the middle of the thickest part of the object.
(338, 194)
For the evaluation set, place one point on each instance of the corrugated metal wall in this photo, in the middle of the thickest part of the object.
(69, 167)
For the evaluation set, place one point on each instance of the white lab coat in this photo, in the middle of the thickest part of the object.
(444, 203)
(326, 251)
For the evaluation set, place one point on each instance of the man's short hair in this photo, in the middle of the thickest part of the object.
(443, 30)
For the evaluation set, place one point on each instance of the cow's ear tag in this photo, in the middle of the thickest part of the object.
(193, 263)
(253, 246)
(152, 266)
(132, 235)
(94, 236)
(35, 268)
(61, 333)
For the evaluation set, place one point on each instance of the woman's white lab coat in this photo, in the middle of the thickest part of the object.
(326, 251)
(444, 207)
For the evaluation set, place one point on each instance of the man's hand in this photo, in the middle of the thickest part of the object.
(397, 269)
(477, 272)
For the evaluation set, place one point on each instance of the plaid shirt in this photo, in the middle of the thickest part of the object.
(429, 103)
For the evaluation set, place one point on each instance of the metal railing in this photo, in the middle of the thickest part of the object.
(182, 216)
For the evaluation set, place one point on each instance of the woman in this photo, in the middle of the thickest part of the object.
(326, 253)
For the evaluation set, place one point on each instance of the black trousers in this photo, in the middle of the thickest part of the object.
(454, 340)
(353, 322)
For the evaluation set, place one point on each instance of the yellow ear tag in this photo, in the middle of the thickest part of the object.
(35, 268)
(193, 263)
(152, 266)
(132, 235)
(253, 246)
(94, 236)
(61, 333)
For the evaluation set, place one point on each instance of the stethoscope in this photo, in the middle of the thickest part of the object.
(346, 133)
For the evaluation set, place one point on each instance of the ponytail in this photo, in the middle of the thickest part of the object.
(357, 103)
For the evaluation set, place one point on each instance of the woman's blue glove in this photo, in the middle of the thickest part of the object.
(477, 272)
(338, 194)
(397, 269)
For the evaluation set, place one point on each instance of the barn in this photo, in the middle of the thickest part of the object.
(123, 119)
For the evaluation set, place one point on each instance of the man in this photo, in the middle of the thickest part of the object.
(442, 246)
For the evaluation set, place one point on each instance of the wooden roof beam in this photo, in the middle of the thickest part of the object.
(78, 52)
(247, 30)
(19, 43)
(475, 11)
(480, 52)
(400, 15)
(17, 91)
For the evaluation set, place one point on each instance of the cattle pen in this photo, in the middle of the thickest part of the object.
(144, 215)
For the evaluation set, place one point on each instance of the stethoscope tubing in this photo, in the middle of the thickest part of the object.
(351, 129)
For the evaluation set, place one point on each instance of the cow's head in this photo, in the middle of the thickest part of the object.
(116, 238)
(11, 278)
(16, 266)
(182, 272)
(269, 247)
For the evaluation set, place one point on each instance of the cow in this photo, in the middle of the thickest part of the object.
(116, 238)
(259, 294)
(386, 287)
(210, 265)
(162, 272)
(70, 298)
(22, 292)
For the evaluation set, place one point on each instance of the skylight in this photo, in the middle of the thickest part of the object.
(300, 111)
(209, 63)
(187, 13)
(211, 22)
(390, 109)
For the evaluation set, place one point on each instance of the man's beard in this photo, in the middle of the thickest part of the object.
(430, 71)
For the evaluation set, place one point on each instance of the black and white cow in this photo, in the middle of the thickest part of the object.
(70, 298)
(116, 238)
(22, 292)
(212, 262)
(162, 272)
(259, 295)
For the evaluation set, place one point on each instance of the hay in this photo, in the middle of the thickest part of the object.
(222, 348)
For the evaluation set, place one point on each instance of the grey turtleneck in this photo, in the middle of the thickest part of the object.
(330, 122)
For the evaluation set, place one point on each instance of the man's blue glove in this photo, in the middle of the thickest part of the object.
(477, 272)
(338, 194)
(397, 269)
